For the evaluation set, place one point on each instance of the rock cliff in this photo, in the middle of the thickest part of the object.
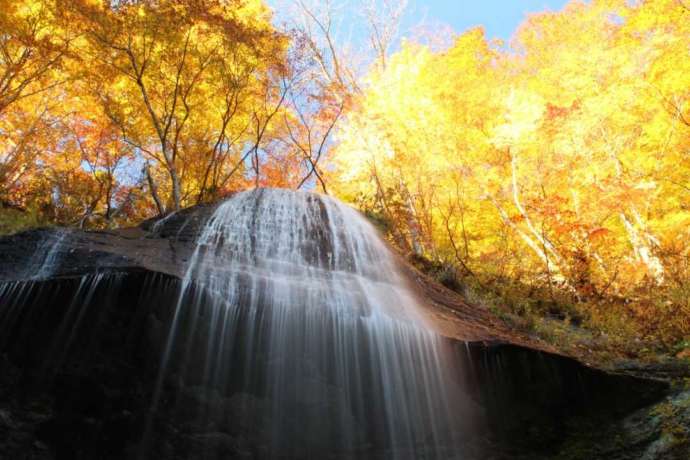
(84, 318)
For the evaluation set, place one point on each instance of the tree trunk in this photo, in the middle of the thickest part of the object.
(176, 188)
(643, 251)
(153, 188)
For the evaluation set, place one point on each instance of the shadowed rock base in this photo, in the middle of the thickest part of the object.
(80, 360)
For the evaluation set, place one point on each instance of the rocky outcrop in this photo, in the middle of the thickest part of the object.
(157, 245)
(84, 321)
(165, 246)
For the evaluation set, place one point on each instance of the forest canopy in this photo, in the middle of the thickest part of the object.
(560, 163)
(115, 111)
(550, 170)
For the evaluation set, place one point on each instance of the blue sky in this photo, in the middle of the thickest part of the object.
(500, 18)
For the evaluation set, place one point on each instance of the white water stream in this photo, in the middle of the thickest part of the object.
(294, 299)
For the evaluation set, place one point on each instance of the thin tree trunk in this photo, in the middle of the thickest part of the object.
(541, 238)
(153, 188)
(176, 188)
(642, 250)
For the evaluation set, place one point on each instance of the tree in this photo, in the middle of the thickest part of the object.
(166, 65)
(33, 50)
(558, 164)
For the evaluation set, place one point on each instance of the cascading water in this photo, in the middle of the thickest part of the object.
(291, 336)
(45, 258)
(293, 314)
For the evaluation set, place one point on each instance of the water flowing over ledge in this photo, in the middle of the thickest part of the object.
(274, 325)
(303, 307)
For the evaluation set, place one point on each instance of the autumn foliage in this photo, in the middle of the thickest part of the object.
(111, 112)
(554, 170)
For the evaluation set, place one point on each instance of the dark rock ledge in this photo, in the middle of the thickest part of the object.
(538, 403)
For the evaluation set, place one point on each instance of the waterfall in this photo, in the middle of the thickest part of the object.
(295, 328)
(45, 259)
(287, 331)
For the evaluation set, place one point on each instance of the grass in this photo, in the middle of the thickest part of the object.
(15, 220)
(602, 331)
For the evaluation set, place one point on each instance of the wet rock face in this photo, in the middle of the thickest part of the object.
(83, 327)
(166, 245)
(80, 366)
(83, 389)
(544, 406)
(157, 245)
